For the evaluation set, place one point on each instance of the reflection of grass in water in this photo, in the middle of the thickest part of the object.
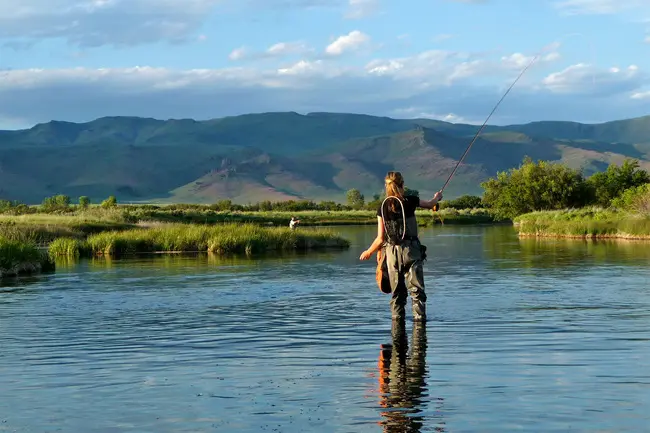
(559, 252)
(222, 239)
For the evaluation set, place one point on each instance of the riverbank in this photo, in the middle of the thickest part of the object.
(220, 239)
(588, 223)
(21, 258)
(42, 228)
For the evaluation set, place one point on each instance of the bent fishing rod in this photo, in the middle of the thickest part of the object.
(488, 118)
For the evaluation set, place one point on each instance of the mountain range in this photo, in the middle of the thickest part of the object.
(286, 155)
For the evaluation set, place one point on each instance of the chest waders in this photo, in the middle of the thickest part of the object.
(400, 264)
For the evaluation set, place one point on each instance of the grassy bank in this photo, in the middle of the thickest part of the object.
(219, 239)
(44, 228)
(18, 258)
(307, 218)
(584, 223)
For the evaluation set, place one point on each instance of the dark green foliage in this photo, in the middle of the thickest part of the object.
(111, 201)
(611, 183)
(355, 199)
(84, 201)
(463, 202)
(533, 187)
(57, 203)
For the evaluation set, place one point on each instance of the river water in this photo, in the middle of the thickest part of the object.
(523, 335)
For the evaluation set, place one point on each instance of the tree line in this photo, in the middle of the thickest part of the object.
(533, 186)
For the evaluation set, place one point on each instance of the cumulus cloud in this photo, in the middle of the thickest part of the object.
(346, 43)
(442, 84)
(584, 79)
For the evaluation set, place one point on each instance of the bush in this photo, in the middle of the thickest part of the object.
(534, 187)
(607, 185)
(463, 202)
(635, 199)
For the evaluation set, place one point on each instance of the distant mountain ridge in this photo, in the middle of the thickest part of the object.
(280, 156)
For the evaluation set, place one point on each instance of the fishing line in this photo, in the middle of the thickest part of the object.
(553, 45)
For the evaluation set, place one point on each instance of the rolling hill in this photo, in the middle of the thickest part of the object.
(280, 156)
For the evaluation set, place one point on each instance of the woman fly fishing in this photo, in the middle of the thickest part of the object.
(399, 251)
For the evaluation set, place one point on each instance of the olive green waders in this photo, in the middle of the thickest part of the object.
(406, 273)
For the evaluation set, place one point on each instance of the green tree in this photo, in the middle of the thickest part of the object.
(534, 187)
(59, 202)
(111, 201)
(611, 183)
(84, 201)
(463, 202)
(355, 198)
(635, 199)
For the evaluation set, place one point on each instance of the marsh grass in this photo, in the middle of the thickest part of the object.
(584, 223)
(44, 228)
(221, 239)
(18, 258)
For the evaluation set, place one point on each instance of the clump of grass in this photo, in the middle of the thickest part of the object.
(18, 258)
(584, 223)
(69, 247)
(221, 239)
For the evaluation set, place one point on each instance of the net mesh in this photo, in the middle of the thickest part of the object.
(394, 217)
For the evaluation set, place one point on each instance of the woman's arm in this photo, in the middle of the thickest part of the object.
(377, 243)
(428, 204)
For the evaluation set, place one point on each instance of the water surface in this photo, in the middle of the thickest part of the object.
(522, 336)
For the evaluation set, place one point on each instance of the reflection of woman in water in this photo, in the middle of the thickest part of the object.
(402, 380)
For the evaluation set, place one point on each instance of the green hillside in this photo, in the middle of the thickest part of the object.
(279, 156)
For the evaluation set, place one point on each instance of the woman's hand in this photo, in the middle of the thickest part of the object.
(365, 255)
(437, 196)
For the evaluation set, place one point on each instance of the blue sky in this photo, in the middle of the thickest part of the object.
(77, 60)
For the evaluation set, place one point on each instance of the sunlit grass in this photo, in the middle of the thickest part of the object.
(220, 239)
(18, 257)
(584, 223)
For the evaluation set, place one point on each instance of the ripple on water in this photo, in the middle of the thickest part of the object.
(541, 340)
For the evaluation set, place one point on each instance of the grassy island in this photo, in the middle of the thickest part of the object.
(218, 239)
(584, 224)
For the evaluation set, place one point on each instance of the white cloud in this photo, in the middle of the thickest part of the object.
(647, 39)
(91, 23)
(277, 50)
(361, 8)
(598, 7)
(238, 53)
(123, 23)
(442, 84)
(346, 43)
(586, 79)
(641, 95)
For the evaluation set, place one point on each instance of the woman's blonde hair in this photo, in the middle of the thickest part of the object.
(394, 186)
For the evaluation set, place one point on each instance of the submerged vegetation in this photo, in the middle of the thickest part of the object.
(221, 239)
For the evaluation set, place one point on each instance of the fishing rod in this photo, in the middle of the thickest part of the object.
(487, 120)
(555, 44)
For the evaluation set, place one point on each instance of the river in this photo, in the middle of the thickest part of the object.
(523, 335)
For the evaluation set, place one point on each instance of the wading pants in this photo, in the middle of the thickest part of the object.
(406, 276)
